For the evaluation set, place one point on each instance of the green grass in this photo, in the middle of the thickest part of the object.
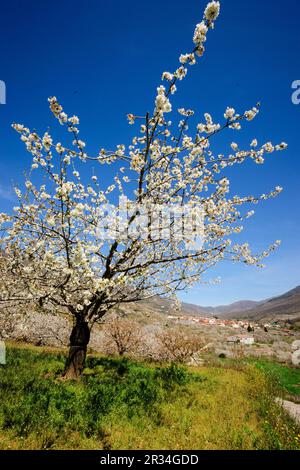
(287, 377)
(125, 404)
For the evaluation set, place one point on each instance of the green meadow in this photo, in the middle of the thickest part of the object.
(126, 404)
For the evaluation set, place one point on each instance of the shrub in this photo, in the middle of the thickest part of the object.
(176, 346)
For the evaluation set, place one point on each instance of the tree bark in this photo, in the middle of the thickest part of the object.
(79, 340)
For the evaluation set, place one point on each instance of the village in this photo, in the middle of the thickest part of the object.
(233, 338)
(248, 325)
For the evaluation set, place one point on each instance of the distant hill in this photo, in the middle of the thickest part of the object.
(159, 308)
(284, 306)
(164, 305)
(239, 306)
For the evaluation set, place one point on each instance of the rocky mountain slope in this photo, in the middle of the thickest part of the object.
(240, 306)
(286, 305)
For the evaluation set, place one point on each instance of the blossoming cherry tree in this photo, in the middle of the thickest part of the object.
(56, 249)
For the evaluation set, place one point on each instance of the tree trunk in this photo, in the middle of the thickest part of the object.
(79, 340)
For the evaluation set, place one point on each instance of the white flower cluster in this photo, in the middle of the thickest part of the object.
(209, 127)
(251, 114)
(162, 103)
(200, 37)
(187, 59)
(212, 11)
(167, 76)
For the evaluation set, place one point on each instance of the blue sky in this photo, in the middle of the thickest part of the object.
(103, 59)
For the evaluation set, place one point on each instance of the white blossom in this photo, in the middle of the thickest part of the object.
(212, 11)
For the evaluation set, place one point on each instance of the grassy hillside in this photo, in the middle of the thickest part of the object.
(287, 377)
(122, 404)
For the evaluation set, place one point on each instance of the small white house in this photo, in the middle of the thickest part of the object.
(248, 341)
(2, 353)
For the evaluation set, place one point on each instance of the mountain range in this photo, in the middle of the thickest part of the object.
(286, 306)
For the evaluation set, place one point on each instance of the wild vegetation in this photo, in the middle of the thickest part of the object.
(287, 377)
(123, 404)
